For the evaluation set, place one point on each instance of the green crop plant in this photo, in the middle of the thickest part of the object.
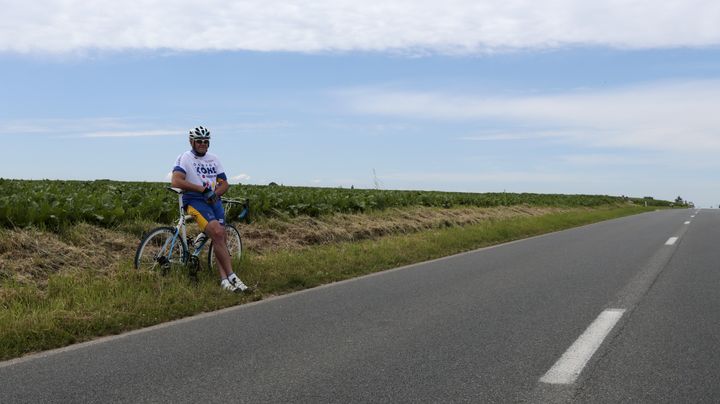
(53, 204)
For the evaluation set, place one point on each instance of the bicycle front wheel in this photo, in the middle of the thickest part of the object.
(161, 250)
(234, 245)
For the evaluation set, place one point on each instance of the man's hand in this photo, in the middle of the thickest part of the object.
(210, 196)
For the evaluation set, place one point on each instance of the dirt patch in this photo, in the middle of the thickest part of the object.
(31, 255)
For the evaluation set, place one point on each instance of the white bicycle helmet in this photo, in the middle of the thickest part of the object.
(199, 133)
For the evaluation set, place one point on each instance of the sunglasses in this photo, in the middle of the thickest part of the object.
(202, 141)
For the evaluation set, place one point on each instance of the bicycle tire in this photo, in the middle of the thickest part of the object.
(149, 254)
(234, 243)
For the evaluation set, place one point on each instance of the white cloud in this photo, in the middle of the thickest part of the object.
(415, 26)
(661, 116)
(610, 160)
(251, 127)
(135, 133)
(62, 126)
(104, 127)
(240, 178)
(509, 136)
(485, 177)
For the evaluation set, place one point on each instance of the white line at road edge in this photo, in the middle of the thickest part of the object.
(567, 369)
(671, 241)
(688, 222)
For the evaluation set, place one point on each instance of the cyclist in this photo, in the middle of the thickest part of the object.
(203, 179)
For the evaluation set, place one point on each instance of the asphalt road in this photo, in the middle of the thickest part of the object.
(494, 325)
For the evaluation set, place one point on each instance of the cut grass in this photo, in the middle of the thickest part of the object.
(80, 305)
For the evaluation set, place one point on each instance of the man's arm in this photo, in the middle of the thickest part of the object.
(221, 187)
(179, 181)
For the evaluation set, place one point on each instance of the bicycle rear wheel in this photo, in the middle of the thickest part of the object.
(234, 244)
(160, 250)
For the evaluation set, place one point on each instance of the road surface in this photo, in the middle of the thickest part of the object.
(620, 311)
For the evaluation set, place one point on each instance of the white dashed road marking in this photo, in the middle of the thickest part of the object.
(567, 369)
(560, 379)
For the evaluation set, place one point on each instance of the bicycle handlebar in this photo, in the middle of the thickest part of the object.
(246, 208)
(236, 201)
(245, 203)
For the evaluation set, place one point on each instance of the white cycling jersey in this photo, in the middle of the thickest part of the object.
(200, 170)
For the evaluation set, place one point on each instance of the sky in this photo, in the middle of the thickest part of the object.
(556, 96)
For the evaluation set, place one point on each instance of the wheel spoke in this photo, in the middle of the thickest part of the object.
(160, 250)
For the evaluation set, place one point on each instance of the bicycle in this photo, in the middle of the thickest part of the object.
(166, 247)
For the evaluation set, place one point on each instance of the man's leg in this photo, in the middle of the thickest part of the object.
(216, 232)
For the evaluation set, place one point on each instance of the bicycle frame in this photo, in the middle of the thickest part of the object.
(181, 230)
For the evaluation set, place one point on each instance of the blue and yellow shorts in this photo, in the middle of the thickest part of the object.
(204, 213)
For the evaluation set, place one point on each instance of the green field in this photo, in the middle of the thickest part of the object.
(54, 204)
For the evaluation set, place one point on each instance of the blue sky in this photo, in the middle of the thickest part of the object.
(481, 96)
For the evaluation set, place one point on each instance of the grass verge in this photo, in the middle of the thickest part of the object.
(80, 305)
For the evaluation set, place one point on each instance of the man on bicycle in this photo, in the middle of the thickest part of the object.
(203, 179)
